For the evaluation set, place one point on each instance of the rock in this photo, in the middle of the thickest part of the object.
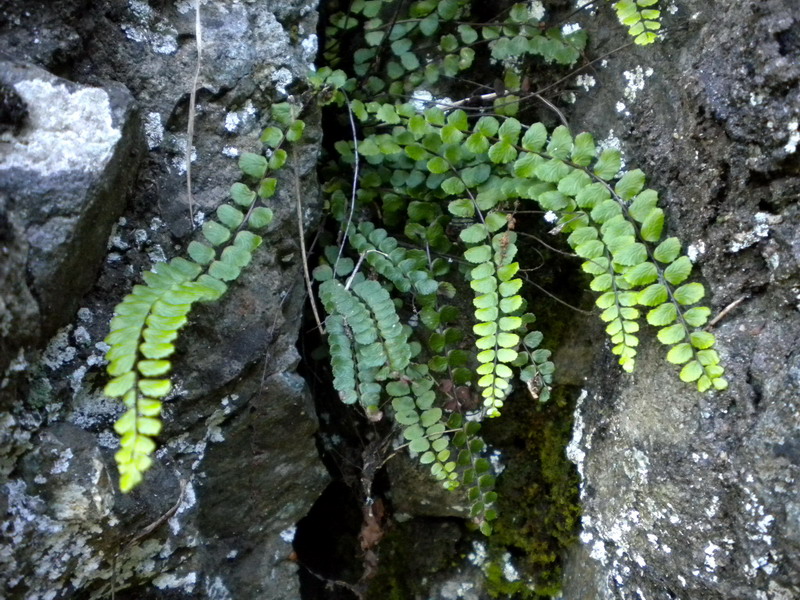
(238, 465)
(688, 495)
(64, 172)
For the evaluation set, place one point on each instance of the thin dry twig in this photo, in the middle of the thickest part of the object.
(546, 245)
(355, 184)
(552, 107)
(554, 297)
(270, 335)
(160, 520)
(192, 100)
(302, 231)
(724, 312)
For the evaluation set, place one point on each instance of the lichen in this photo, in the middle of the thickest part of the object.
(60, 121)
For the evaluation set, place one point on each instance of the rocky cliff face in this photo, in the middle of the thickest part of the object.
(684, 495)
(95, 99)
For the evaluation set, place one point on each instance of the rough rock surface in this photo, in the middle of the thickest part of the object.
(64, 176)
(685, 496)
(239, 466)
(688, 495)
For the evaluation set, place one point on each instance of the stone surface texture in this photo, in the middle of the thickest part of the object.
(685, 496)
(92, 192)
(63, 182)
(688, 495)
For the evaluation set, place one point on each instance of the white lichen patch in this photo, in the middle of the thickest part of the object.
(478, 555)
(187, 581)
(510, 572)
(611, 142)
(458, 590)
(794, 137)
(188, 501)
(141, 10)
(18, 364)
(287, 535)
(496, 460)
(710, 559)
(157, 255)
(536, 9)
(62, 464)
(199, 218)
(69, 131)
(59, 549)
(107, 439)
(281, 79)
(81, 336)
(234, 120)
(310, 47)
(140, 237)
(598, 552)
(635, 81)
(116, 242)
(575, 449)
(177, 145)
(147, 28)
(216, 590)
(89, 411)
(745, 239)
(586, 82)
(153, 130)
(696, 250)
(58, 351)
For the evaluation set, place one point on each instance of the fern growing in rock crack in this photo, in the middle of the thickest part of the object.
(147, 322)
(372, 359)
(427, 172)
(393, 319)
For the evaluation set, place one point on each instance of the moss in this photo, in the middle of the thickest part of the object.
(414, 552)
(538, 502)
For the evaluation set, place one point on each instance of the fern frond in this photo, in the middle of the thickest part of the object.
(641, 19)
(147, 322)
(615, 230)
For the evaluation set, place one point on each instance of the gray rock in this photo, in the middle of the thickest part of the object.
(238, 465)
(688, 495)
(63, 181)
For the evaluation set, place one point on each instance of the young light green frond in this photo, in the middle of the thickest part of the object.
(641, 18)
(147, 322)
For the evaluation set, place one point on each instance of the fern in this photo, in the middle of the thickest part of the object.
(428, 174)
(147, 322)
(613, 222)
(393, 59)
(641, 18)
(371, 357)
(429, 170)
